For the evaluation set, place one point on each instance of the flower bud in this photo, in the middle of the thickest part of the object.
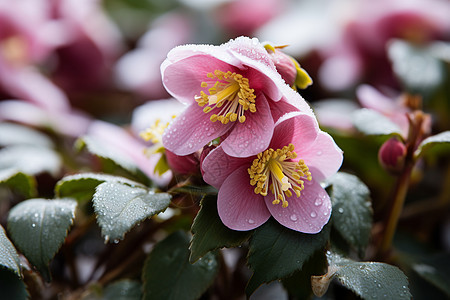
(288, 68)
(392, 155)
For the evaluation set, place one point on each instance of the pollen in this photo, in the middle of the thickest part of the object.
(228, 97)
(154, 132)
(275, 171)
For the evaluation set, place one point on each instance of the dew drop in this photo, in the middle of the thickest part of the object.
(116, 241)
(251, 221)
(33, 225)
(341, 210)
(36, 215)
(294, 218)
(319, 153)
(318, 202)
(190, 145)
(313, 215)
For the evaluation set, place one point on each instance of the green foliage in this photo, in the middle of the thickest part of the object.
(276, 252)
(439, 140)
(119, 206)
(435, 270)
(82, 186)
(123, 290)
(369, 280)
(9, 258)
(21, 182)
(352, 210)
(38, 227)
(11, 286)
(209, 233)
(167, 273)
(371, 122)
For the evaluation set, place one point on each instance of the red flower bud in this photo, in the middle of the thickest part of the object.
(392, 155)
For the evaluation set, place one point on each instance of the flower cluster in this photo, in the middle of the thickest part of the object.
(270, 154)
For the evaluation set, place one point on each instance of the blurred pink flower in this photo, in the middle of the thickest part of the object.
(233, 90)
(282, 181)
(124, 145)
(138, 70)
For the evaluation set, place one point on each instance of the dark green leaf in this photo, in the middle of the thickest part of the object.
(82, 186)
(435, 270)
(8, 255)
(14, 179)
(371, 122)
(442, 138)
(30, 159)
(11, 286)
(14, 134)
(210, 233)
(168, 275)
(369, 280)
(419, 71)
(123, 290)
(276, 252)
(352, 210)
(119, 206)
(195, 190)
(38, 227)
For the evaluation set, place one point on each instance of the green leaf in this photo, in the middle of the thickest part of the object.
(8, 254)
(276, 252)
(369, 280)
(203, 190)
(82, 186)
(209, 233)
(167, 273)
(352, 209)
(434, 269)
(371, 122)
(419, 71)
(11, 286)
(30, 159)
(38, 227)
(442, 139)
(123, 290)
(23, 183)
(119, 206)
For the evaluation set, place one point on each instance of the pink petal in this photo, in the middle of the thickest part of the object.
(297, 128)
(308, 213)
(324, 156)
(293, 98)
(252, 136)
(369, 97)
(238, 206)
(217, 166)
(191, 130)
(183, 78)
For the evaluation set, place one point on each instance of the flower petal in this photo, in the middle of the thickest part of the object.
(308, 213)
(298, 128)
(324, 157)
(217, 166)
(191, 131)
(238, 206)
(252, 136)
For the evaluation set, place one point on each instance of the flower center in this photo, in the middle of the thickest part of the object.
(229, 97)
(14, 49)
(275, 169)
(154, 133)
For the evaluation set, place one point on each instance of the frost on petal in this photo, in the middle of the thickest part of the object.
(297, 128)
(217, 166)
(238, 206)
(252, 136)
(323, 155)
(308, 213)
(183, 78)
(191, 131)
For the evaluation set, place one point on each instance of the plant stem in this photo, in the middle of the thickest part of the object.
(397, 207)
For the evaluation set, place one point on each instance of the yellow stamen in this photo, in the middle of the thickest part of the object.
(154, 133)
(229, 96)
(275, 170)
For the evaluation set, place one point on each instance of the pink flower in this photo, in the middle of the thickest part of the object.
(232, 90)
(392, 155)
(281, 181)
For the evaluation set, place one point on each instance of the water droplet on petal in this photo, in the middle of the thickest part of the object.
(251, 221)
(318, 202)
(293, 218)
(313, 215)
(319, 153)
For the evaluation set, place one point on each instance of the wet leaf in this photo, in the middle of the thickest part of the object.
(371, 122)
(21, 182)
(14, 134)
(38, 227)
(168, 275)
(9, 258)
(119, 206)
(440, 139)
(11, 286)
